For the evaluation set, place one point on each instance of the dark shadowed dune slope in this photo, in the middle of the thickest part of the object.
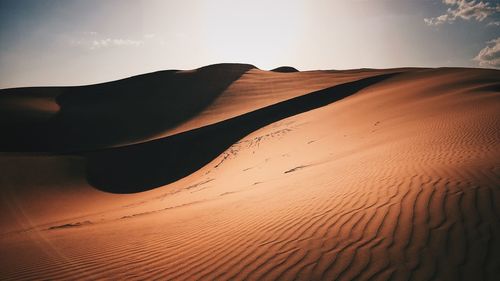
(62, 119)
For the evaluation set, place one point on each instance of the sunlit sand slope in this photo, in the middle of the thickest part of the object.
(400, 180)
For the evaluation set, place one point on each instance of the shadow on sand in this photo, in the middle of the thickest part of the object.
(102, 115)
(155, 163)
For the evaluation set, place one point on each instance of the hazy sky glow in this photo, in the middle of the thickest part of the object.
(80, 42)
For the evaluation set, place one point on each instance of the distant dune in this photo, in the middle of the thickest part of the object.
(229, 172)
(285, 69)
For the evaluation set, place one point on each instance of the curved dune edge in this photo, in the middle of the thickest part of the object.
(145, 166)
(398, 181)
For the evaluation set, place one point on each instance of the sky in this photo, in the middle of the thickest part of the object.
(49, 42)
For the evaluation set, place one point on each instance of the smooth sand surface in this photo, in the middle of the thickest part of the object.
(395, 177)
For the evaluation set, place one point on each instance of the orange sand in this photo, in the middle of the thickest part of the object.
(400, 179)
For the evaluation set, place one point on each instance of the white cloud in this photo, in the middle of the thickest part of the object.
(94, 44)
(465, 10)
(489, 56)
(110, 42)
(93, 41)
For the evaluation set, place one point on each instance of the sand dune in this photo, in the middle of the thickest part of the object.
(109, 114)
(321, 175)
(122, 170)
(285, 69)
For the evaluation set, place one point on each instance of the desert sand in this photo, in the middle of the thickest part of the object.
(229, 172)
